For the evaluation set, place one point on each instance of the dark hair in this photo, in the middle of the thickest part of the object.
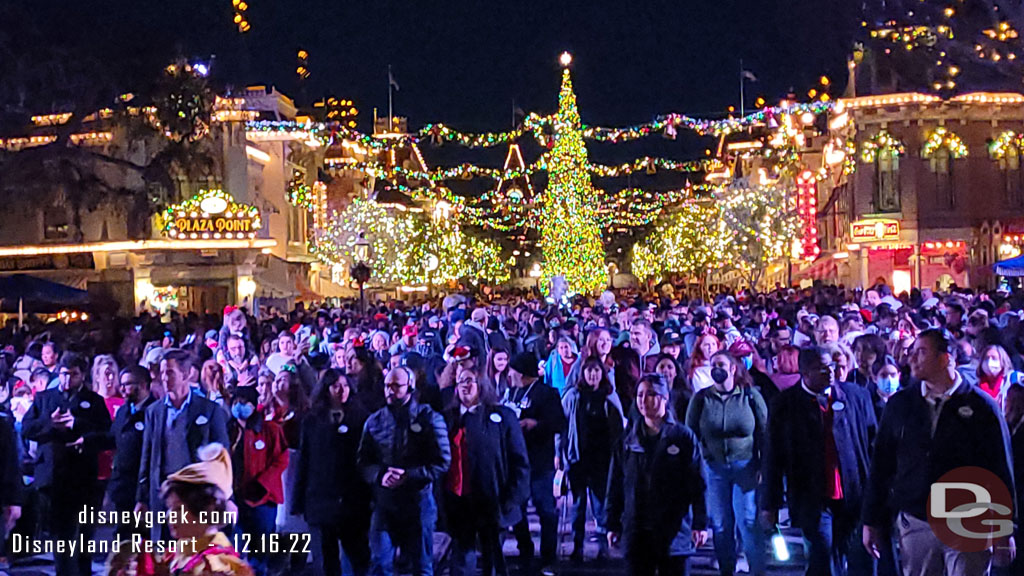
(488, 396)
(74, 360)
(741, 376)
(41, 372)
(185, 360)
(321, 400)
(1014, 406)
(941, 340)
(874, 343)
(196, 498)
(810, 355)
(605, 385)
(141, 374)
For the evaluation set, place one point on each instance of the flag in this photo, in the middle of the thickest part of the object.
(748, 75)
(392, 81)
(519, 111)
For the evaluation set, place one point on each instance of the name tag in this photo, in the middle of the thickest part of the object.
(140, 426)
(416, 428)
(259, 445)
(496, 418)
(85, 405)
(673, 450)
(201, 420)
(838, 406)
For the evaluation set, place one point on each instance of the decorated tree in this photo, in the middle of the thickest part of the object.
(570, 230)
(408, 248)
(759, 225)
(688, 241)
(944, 46)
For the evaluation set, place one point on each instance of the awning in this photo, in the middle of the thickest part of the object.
(1013, 267)
(35, 294)
(824, 268)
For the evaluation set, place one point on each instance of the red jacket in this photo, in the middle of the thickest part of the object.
(264, 460)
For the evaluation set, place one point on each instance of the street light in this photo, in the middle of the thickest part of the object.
(361, 271)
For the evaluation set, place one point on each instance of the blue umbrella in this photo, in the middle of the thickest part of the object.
(33, 292)
(1013, 267)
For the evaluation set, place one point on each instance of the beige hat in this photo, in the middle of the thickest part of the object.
(214, 467)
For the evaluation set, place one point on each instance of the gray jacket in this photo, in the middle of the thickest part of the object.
(569, 443)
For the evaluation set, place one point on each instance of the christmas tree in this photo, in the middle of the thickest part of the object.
(688, 241)
(570, 231)
(942, 46)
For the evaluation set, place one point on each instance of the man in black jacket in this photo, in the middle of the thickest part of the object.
(541, 418)
(926, 432)
(126, 435)
(403, 451)
(70, 423)
(11, 487)
(819, 440)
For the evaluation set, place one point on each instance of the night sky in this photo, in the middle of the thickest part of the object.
(458, 61)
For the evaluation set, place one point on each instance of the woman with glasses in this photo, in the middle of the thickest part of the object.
(489, 477)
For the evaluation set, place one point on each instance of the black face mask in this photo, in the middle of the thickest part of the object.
(719, 374)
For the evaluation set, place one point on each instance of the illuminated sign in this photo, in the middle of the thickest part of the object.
(211, 214)
(875, 230)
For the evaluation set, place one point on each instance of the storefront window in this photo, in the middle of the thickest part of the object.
(887, 183)
(941, 148)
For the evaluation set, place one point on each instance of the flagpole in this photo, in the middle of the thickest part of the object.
(391, 113)
(742, 109)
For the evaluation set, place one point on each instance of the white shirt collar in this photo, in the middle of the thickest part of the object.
(463, 409)
(957, 382)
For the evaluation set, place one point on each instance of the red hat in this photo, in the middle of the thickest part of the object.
(741, 348)
(409, 330)
(229, 309)
(379, 316)
(866, 315)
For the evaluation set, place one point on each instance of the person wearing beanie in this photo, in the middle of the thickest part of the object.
(656, 489)
(539, 410)
(259, 455)
(201, 492)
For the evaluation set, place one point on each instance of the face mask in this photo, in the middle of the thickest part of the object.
(21, 402)
(719, 375)
(748, 361)
(888, 385)
(242, 411)
(992, 367)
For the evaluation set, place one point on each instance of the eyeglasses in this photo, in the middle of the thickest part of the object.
(396, 385)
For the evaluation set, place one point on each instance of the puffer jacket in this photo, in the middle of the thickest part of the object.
(412, 437)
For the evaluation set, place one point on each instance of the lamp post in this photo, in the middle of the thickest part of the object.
(361, 271)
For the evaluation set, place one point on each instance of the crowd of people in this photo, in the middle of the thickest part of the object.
(672, 423)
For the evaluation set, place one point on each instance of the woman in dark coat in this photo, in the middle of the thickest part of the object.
(656, 492)
(489, 478)
(330, 492)
(594, 433)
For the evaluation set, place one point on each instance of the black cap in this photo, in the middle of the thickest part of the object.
(246, 393)
(525, 364)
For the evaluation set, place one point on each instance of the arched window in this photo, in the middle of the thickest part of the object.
(941, 148)
(884, 151)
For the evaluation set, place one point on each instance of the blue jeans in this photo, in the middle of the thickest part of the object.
(254, 521)
(833, 546)
(731, 496)
(543, 496)
(415, 536)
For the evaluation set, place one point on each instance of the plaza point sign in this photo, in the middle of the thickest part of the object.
(211, 214)
(875, 230)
